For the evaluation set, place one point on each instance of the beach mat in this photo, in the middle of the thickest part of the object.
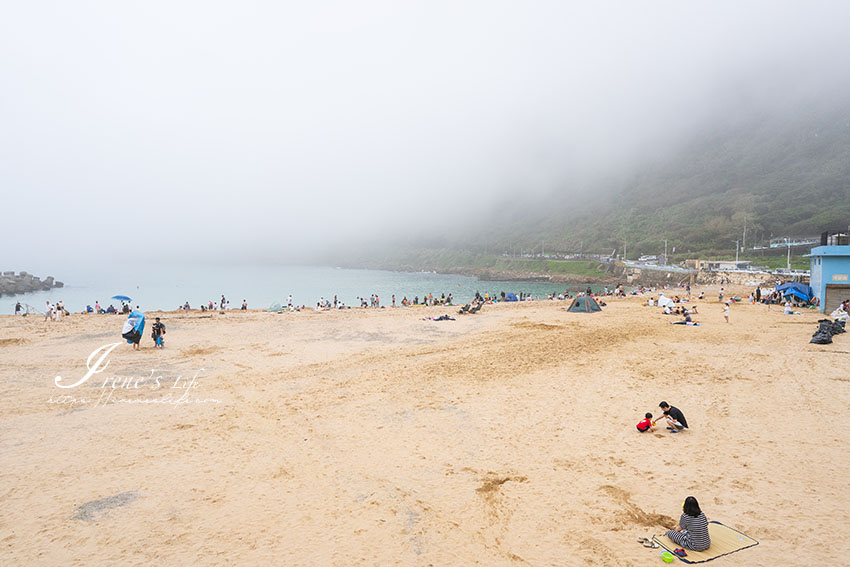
(724, 540)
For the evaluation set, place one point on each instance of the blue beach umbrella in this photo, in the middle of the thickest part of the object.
(121, 298)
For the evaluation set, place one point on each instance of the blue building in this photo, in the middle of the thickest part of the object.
(830, 275)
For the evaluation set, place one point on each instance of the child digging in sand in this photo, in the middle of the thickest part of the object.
(645, 424)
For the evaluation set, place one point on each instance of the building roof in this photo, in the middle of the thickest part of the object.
(830, 251)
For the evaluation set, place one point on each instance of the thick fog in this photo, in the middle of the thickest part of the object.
(270, 131)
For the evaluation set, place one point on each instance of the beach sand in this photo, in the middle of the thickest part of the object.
(372, 437)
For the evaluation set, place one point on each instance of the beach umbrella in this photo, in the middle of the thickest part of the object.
(121, 298)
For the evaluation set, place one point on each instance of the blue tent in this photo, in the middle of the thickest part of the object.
(510, 297)
(801, 291)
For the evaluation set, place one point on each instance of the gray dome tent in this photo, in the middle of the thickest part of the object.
(584, 304)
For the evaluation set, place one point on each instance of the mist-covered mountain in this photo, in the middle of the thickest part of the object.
(785, 175)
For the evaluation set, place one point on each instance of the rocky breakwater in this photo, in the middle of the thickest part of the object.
(23, 282)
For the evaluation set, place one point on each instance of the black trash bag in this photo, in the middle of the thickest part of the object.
(823, 336)
(838, 327)
(821, 339)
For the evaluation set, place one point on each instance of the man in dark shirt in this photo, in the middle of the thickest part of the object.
(675, 418)
(157, 331)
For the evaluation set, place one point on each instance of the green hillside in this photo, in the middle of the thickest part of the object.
(779, 175)
(787, 176)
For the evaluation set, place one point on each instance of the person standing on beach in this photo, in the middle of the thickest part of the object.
(18, 308)
(223, 301)
(726, 311)
(157, 330)
(393, 300)
(48, 311)
(244, 305)
(720, 296)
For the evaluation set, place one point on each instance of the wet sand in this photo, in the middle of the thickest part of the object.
(372, 437)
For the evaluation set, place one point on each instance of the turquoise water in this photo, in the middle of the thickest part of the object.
(167, 287)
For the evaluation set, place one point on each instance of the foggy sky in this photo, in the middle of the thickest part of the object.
(268, 130)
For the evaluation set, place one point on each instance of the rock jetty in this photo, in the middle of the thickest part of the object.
(23, 282)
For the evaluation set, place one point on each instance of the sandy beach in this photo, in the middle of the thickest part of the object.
(373, 437)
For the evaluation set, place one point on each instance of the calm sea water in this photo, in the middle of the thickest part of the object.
(167, 287)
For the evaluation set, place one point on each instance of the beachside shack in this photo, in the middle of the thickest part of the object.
(830, 279)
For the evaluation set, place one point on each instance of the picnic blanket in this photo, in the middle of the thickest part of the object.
(724, 540)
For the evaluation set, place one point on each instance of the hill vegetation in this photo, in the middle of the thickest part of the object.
(781, 174)
(771, 177)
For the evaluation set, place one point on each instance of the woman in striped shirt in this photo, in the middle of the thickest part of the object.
(692, 531)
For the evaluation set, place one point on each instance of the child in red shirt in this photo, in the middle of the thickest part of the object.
(646, 424)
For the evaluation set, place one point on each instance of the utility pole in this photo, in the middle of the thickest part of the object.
(543, 248)
(744, 239)
(665, 251)
(736, 251)
(788, 244)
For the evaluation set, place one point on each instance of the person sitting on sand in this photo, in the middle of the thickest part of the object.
(692, 530)
(675, 418)
(685, 321)
(645, 424)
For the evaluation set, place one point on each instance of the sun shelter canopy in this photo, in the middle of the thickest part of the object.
(664, 301)
(584, 304)
(510, 297)
(795, 289)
